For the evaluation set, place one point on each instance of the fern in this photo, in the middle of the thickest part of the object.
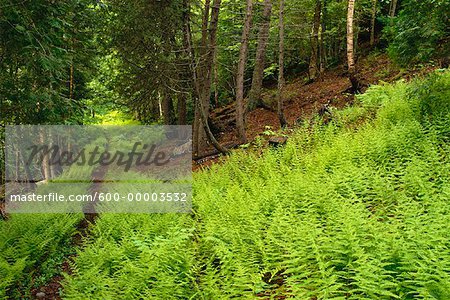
(342, 212)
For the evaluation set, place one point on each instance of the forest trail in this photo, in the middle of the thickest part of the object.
(303, 100)
(52, 289)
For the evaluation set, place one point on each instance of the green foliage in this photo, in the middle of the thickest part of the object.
(338, 213)
(40, 41)
(32, 246)
(139, 256)
(420, 32)
(144, 43)
(114, 118)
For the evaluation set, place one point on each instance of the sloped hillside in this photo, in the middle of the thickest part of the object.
(356, 209)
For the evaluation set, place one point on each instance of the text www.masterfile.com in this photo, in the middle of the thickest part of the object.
(98, 196)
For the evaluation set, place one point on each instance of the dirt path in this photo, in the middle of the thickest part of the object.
(52, 289)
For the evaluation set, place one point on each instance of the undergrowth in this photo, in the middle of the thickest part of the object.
(357, 209)
(32, 246)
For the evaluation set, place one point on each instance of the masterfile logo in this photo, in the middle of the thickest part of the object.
(127, 168)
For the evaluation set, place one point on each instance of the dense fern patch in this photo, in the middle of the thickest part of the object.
(342, 212)
(32, 246)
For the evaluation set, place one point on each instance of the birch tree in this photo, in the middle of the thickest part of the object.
(350, 48)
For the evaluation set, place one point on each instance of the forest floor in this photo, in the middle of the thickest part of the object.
(353, 210)
(51, 290)
(303, 100)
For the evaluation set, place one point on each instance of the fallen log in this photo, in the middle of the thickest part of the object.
(214, 152)
(225, 117)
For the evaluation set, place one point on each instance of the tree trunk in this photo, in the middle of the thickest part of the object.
(27, 169)
(17, 164)
(281, 116)
(216, 79)
(205, 69)
(71, 86)
(313, 62)
(350, 50)
(212, 139)
(258, 72)
(355, 41)
(189, 53)
(392, 10)
(182, 116)
(186, 61)
(167, 108)
(196, 129)
(199, 135)
(322, 50)
(240, 110)
(372, 22)
(45, 159)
